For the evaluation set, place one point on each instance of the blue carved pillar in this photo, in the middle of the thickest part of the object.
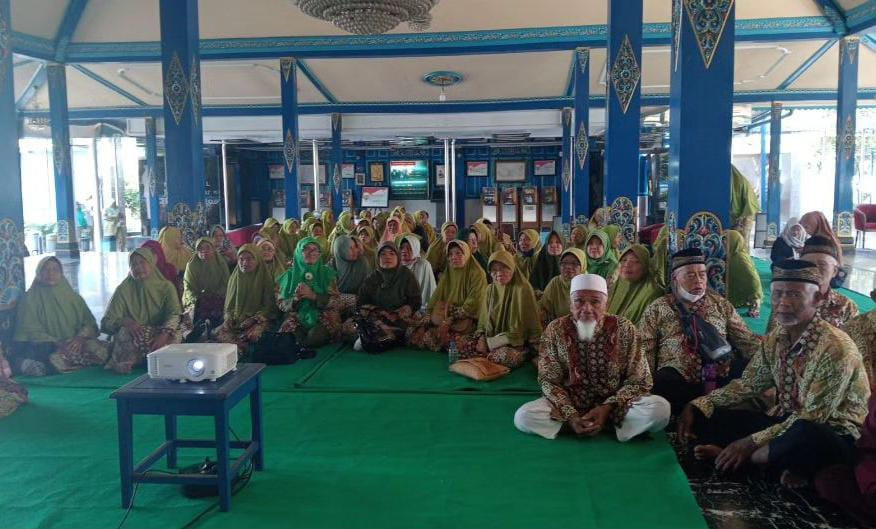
(153, 179)
(456, 158)
(566, 191)
(289, 109)
(337, 161)
(764, 168)
(183, 133)
(846, 107)
(67, 245)
(774, 182)
(623, 107)
(701, 108)
(581, 144)
(11, 211)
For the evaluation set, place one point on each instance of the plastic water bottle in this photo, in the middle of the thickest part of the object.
(452, 353)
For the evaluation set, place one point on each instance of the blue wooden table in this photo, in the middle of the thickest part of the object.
(147, 396)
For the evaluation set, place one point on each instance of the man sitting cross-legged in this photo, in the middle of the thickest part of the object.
(821, 392)
(592, 373)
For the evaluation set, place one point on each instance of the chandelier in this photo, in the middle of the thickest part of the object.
(370, 17)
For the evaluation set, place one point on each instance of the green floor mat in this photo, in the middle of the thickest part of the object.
(345, 460)
(410, 370)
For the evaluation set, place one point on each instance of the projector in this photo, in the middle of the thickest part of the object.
(192, 362)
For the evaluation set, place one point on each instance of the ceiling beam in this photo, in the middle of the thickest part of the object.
(833, 12)
(37, 80)
(115, 88)
(570, 79)
(862, 18)
(305, 69)
(806, 65)
(68, 28)
(869, 42)
(442, 44)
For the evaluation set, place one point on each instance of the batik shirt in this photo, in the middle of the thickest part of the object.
(836, 310)
(664, 342)
(577, 376)
(862, 331)
(819, 378)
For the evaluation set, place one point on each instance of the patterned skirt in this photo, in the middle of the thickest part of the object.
(128, 351)
(12, 396)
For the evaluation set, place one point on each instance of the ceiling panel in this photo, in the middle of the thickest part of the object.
(747, 9)
(40, 18)
(850, 4)
(22, 76)
(825, 72)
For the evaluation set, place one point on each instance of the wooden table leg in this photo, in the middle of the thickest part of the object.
(170, 435)
(223, 452)
(257, 428)
(126, 451)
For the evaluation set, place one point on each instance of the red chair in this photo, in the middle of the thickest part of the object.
(865, 221)
(241, 236)
(648, 234)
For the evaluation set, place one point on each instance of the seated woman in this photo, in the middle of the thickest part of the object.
(328, 221)
(250, 308)
(392, 231)
(174, 247)
(602, 257)
(271, 232)
(578, 237)
(547, 264)
(289, 237)
(409, 248)
(308, 291)
(272, 259)
(528, 246)
(421, 217)
(12, 394)
(388, 299)
(223, 245)
(143, 314)
(471, 237)
(204, 285)
(437, 254)
(452, 312)
(554, 303)
(368, 239)
(508, 327)
(352, 269)
(788, 246)
(743, 281)
(54, 329)
(167, 270)
(636, 286)
(487, 241)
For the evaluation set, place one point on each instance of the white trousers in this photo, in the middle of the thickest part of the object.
(647, 414)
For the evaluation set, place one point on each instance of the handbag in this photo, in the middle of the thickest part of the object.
(374, 339)
(276, 348)
(479, 369)
(709, 343)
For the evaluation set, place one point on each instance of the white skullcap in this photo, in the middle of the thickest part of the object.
(589, 282)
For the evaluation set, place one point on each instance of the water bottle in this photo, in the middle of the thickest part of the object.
(452, 353)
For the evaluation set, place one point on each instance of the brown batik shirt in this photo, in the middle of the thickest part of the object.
(577, 376)
(836, 310)
(862, 330)
(665, 344)
(819, 378)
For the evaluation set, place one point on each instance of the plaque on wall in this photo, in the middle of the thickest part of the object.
(278, 198)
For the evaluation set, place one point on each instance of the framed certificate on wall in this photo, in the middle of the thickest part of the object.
(510, 171)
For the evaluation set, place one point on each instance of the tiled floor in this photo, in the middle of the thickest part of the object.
(860, 266)
(728, 502)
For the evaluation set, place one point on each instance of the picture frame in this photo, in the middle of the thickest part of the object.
(376, 170)
(544, 167)
(276, 172)
(510, 170)
(348, 171)
(278, 198)
(375, 197)
(305, 174)
(440, 177)
(360, 179)
(477, 168)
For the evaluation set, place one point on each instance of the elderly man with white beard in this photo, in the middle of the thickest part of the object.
(592, 373)
(821, 392)
(692, 338)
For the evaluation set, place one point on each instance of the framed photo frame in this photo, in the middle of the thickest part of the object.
(305, 174)
(275, 172)
(348, 171)
(375, 197)
(510, 170)
(545, 167)
(440, 178)
(376, 170)
(477, 168)
(278, 198)
(360, 179)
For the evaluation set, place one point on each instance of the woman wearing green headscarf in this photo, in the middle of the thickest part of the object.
(174, 247)
(437, 254)
(636, 286)
(368, 238)
(487, 242)
(271, 232)
(744, 204)
(508, 326)
(250, 308)
(307, 291)
(554, 303)
(422, 219)
(289, 237)
(471, 237)
(528, 246)
(204, 284)
(273, 260)
(578, 237)
(452, 311)
(743, 282)
(546, 265)
(328, 220)
(601, 256)
(54, 329)
(223, 246)
(143, 314)
(344, 226)
(614, 238)
(352, 267)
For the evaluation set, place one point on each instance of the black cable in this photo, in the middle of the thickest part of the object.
(244, 481)
(130, 507)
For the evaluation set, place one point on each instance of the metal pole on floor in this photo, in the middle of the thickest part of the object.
(453, 177)
(225, 185)
(447, 182)
(316, 178)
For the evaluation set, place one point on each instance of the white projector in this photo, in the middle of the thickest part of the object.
(194, 361)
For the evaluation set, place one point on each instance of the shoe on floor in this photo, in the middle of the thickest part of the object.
(358, 345)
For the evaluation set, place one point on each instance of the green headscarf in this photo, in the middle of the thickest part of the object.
(152, 301)
(277, 266)
(289, 236)
(509, 308)
(555, 300)
(487, 242)
(351, 274)
(393, 288)
(249, 294)
(743, 281)
(581, 230)
(743, 200)
(605, 266)
(319, 277)
(525, 262)
(52, 313)
(660, 261)
(630, 298)
(343, 227)
(612, 230)
(204, 277)
(437, 253)
(545, 266)
(461, 287)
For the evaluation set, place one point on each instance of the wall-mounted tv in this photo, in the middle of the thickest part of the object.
(375, 197)
(409, 179)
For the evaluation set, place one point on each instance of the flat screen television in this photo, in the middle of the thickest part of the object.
(409, 179)
(375, 197)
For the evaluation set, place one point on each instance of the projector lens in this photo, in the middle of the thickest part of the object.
(196, 367)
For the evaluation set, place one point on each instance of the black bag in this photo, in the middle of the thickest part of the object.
(276, 348)
(710, 344)
(374, 339)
